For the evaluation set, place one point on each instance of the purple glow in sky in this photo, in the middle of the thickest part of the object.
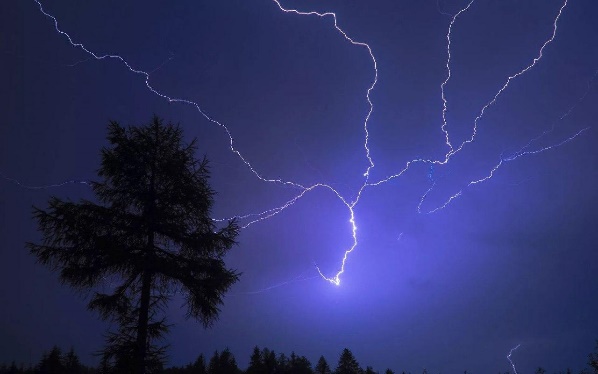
(436, 161)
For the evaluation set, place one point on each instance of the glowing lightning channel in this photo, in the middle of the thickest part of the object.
(369, 90)
(350, 207)
(509, 358)
(501, 163)
(565, 115)
(258, 217)
(267, 214)
(522, 153)
(170, 99)
(300, 278)
(43, 187)
(448, 74)
(511, 78)
(336, 280)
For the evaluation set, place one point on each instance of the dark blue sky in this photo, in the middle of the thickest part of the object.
(511, 261)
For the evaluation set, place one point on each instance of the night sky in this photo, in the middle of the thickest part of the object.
(512, 260)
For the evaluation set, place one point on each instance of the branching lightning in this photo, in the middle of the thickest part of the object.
(146, 77)
(302, 190)
(523, 151)
(452, 152)
(511, 78)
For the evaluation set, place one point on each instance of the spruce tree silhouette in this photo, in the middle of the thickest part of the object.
(223, 363)
(256, 363)
(72, 364)
(322, 366)
(151, 229)
(347, 364)
(52, 362)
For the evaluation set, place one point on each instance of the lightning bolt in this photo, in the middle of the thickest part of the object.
(448, 74)
(513, 77)
(302, 190)
(300, 278)
(43, 187)
(509, 357)
(170, 99)
(522, 152)
(370, 88)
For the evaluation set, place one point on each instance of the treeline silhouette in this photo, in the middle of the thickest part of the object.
(262, 361)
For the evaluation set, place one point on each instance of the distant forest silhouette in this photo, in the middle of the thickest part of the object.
(262, 361)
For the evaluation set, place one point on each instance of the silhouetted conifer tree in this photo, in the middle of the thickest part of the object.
(322, 366)
(291, 363)
(282, 364)
(51, 363)
(228, 364)
(72, 365)
(223, 363)
(214, 364)
(299, 365)
(151, 229)
(199, 366)
(256, 364)
(271, 365)
(347, 364)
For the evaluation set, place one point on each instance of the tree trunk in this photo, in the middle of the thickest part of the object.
(143, 321)
(144, 304)
(146, 286)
